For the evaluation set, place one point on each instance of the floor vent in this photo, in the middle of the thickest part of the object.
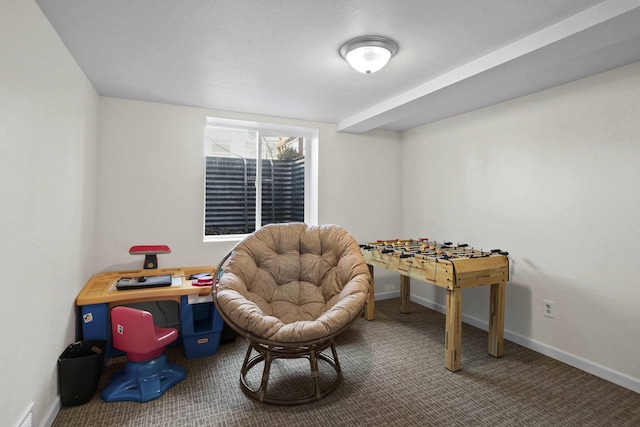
(27, 418)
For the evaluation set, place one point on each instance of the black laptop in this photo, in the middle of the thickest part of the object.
(143, 282)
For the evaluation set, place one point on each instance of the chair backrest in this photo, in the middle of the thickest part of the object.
(134, 333)
(294, 271)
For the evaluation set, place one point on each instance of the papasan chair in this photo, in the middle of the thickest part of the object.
(290, 289)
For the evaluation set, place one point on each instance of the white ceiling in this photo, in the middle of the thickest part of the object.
(281, 57)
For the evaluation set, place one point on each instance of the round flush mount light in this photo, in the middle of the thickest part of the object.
(368, 54)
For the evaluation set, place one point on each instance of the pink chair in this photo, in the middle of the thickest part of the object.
(147, 373)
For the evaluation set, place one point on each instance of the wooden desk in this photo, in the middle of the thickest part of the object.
(200, 326)
(452, 268)
(101, 287)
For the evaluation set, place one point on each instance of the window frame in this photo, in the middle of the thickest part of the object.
(311, 136)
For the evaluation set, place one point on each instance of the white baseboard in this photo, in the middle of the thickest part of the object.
(603, 372)
(51, 413)
(386, 295)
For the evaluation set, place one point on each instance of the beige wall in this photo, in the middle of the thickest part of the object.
(553, 178)
(48, 138)
(151, 180)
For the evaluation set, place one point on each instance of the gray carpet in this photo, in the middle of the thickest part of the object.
(394, 375)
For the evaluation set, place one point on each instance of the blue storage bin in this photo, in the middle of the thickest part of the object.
(201, 344)
(200, 327)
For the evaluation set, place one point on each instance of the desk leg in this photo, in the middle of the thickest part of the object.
(95, 321)
(453, 329)
(496, 319)
(371, 305)
(405, 293)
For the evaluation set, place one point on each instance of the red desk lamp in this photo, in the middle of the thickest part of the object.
(150, 253)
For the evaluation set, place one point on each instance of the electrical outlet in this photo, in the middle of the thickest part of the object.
(549, 308)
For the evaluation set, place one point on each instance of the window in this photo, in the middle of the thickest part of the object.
(257, 174)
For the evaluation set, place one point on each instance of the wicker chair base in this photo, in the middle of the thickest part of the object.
(268, 353)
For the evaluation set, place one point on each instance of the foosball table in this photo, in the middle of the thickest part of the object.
(453, 267)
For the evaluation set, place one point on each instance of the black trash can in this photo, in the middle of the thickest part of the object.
(79, 369)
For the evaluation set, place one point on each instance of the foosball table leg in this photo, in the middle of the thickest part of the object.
(371, 304)
(496, 319)
(405, 294)
(453, 329)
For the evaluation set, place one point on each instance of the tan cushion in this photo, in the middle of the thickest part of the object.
(294, 283)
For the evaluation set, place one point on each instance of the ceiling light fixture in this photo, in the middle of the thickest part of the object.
(368, 54)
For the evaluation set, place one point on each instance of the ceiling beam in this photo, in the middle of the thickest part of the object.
(575, 46)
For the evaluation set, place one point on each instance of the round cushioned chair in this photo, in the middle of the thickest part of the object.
(290, 289)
